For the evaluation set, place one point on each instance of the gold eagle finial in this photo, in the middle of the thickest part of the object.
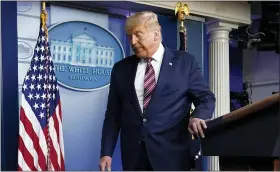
(182, 10)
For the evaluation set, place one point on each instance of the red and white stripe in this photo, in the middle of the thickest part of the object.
(149, 84)
(33, 148)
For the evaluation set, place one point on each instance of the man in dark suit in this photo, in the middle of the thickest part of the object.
(149, 100)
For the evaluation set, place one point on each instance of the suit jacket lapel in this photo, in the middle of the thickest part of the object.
(165, 73)
(134, 99)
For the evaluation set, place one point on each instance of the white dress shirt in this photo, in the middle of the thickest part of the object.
(140, 73)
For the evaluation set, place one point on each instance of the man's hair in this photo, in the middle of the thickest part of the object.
(148, 18)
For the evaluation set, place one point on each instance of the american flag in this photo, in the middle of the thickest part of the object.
(41, 145)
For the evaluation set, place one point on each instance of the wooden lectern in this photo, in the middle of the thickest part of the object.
(246, 139)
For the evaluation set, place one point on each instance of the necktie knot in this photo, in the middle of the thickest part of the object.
(149, 60)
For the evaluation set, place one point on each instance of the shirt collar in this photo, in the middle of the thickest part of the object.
(158, 55)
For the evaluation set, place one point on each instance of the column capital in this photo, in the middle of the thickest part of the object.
(218, 25)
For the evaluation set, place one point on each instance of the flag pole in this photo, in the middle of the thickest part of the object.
(181, 11)
(44, 17)
(43, 5)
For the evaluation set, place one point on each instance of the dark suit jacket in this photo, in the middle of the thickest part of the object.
(165, 131)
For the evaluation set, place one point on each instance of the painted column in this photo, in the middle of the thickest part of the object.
(219, 72)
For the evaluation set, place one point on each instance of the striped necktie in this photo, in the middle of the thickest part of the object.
(149, 84)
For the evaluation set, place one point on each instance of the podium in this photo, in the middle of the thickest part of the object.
(246, 139)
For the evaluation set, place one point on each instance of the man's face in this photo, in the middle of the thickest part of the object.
(142, 40)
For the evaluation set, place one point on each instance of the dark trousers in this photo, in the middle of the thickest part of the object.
(143, 163)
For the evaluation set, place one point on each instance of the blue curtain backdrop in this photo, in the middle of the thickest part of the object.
(10, 113)
(10, 86)
(169, 30)
(195, 40)
(116, 26)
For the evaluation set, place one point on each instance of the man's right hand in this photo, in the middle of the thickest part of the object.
(105, 163)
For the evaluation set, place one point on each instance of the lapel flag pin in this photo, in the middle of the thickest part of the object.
(170, 63)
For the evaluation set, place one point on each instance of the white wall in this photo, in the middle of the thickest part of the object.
(261, 71)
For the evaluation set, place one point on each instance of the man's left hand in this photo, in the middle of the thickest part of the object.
(196, 126)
